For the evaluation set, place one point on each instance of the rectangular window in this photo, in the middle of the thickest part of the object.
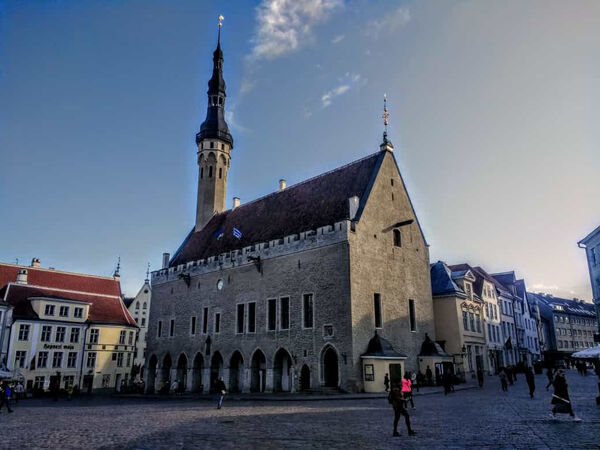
(120, 359)
(69, 380)
(128, 359)
(412, 315)
(217, 322)
(240, 318)
(307, 307)
(159, 332)
(143, 321)
(78, 313)
(284, 313)
(74, 335)
(38, 384)
(57, 360)
(63, 311)
(193, 326)
(49, 310)
(252, 317)
(42, 361)
(94, 335)
(472, 321)
(205, 321)
(46, 333)
(72, 360)
(271, 314)
(20, 356)
(377, 310)
(91, 360)
(23, 332)
(478, 322)
(130, 341)
(465, 320)
(122, 336)
(489, 328)
(60, 334)
(172, 328)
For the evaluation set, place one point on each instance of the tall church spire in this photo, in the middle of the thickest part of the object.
(386, 144)
(214, 146)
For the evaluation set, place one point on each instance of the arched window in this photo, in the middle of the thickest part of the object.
(145, 305)
(137, 306)
(210, 172)
(397, 238)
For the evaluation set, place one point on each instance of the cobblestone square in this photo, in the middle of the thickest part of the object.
(472, 418)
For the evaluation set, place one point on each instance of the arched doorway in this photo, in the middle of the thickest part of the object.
(216, 368)
(330, 367)
(182, 364)
(282, 365)
(165, 373)
(304, 378)
(258, 372)
(197, 373)
(150, 385)
(236, 372)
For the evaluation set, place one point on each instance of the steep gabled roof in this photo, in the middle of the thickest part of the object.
(103, 308)
(314, 203)
(568, 306)
(58, 279)
(441, 280)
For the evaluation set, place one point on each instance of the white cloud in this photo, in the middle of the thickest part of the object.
(231, 121)
(388, 23)
(346, 83)
(338, 38)
(283, 26)
(541, 287)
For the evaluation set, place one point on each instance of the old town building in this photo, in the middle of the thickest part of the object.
(66, 328)
(139, 308)
(286, 292)
(591, 243)
(571, 324)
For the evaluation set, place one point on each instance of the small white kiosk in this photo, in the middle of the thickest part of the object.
(379, 359)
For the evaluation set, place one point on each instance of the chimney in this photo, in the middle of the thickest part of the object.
(22, 276)
(236, 202)
(35, 262)
(166, 258)
(282, 184)
(353, 203)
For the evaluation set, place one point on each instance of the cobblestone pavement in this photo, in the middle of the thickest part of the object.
(477, 418)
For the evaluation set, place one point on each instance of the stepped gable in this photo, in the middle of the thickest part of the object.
(62, 280)
(314, 203)
(103, 309)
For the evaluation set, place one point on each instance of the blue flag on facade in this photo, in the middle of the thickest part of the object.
(219, 234)
(237, 233)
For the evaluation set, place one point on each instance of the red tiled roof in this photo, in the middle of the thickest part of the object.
(62, 280)
(317, 202)
(103, 308)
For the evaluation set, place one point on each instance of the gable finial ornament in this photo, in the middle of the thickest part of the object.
(386, 144)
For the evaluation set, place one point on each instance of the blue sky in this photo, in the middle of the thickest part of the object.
(494, 109)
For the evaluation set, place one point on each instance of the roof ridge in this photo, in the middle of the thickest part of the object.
(62, 290)
(305, 181)
(59, 271)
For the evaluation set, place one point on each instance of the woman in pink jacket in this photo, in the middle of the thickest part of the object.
(407, 390)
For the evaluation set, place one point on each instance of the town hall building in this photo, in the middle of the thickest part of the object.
(320, 285)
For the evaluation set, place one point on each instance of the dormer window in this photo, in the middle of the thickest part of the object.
(469, 290)
(78, 313)
(49, 311)
(397, 238)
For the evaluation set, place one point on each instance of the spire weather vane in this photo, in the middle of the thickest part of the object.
(385, 116)
(148, 272)
(221, 19)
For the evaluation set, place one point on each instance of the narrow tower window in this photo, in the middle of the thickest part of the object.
(377, 310)
(210, 171)
(212, 145)
(412, 315)
(201, 172)
(220, 173)
(397, 238)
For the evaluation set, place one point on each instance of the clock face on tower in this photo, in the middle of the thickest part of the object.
(220, 284)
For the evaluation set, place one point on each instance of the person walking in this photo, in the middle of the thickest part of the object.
(429, 376)
(19, 391)
(530, 379)
(560, 398)
(480, 377)
(502, 376)
(6, 396)
(414, 380)
(397, 401)
(407, 390)
(386, 382)
(221, 391)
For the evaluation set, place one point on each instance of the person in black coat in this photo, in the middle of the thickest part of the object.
(221, 391)
(396, 398)
(530, 378)
(560, 398)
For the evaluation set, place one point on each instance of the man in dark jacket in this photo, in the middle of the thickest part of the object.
(6, 396)
(530, 378)
(560, 398)
(221, 391)
(398, 403)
